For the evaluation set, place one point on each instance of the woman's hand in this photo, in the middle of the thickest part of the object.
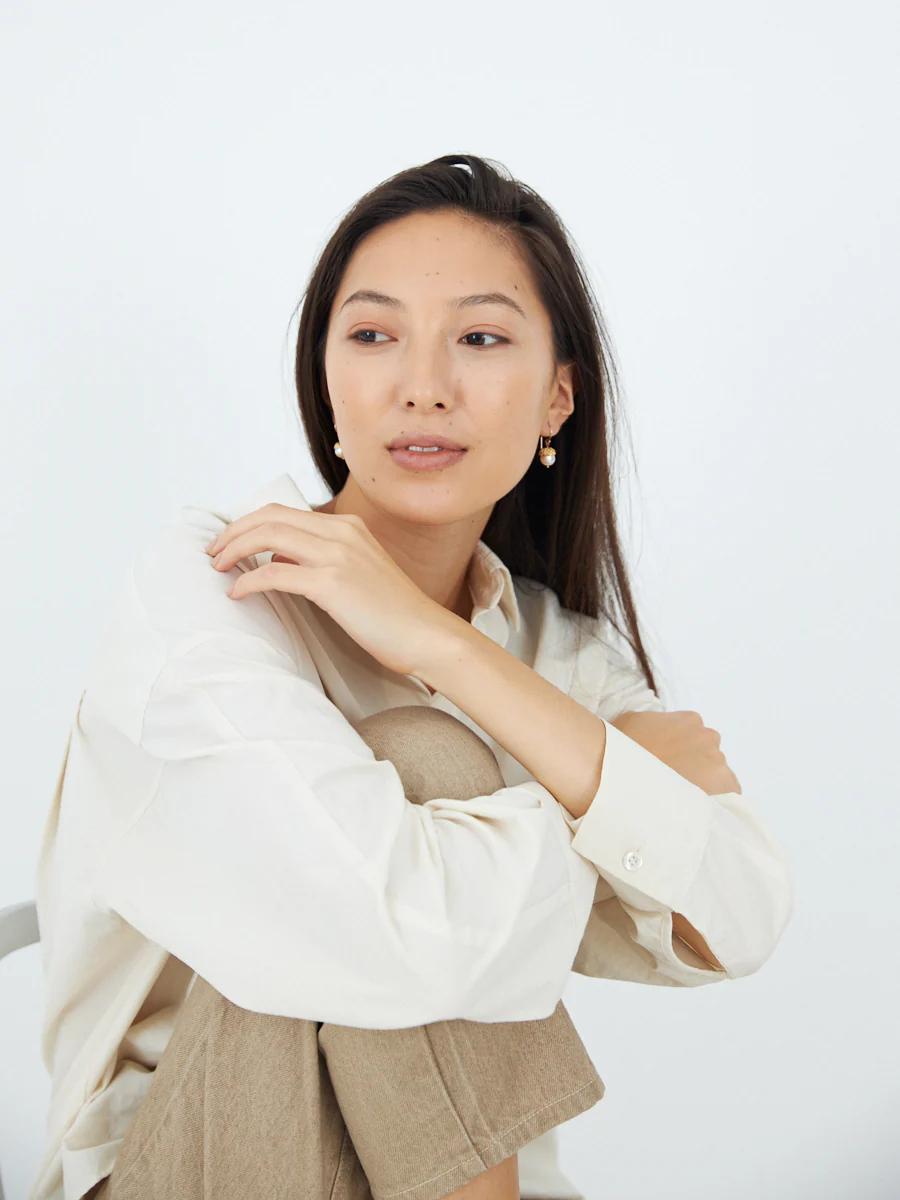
(333, 560)
(683, 742)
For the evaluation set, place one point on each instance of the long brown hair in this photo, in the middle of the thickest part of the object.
(557, 526)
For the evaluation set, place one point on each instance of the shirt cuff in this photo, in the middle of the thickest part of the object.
(647, 827)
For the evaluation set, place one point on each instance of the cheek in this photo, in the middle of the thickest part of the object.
(505, 452)
(355, 394)
(342, 375)
(510, 413)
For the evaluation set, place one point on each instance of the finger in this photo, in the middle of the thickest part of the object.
(278, 577)
(276, 536)
(250, 520)
(313, 522)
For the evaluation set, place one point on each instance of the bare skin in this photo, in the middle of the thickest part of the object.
(497, 1183)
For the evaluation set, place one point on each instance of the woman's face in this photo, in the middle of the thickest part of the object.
(417, 360)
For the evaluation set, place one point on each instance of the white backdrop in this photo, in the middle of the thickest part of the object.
(730, 174)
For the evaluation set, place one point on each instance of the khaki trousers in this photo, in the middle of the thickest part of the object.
(250, 1105)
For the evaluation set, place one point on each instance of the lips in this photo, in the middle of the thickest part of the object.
(424, 439)
(424, 462)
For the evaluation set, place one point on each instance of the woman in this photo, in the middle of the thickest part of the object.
(348, 795)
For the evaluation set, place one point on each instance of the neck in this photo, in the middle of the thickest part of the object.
(435, 557)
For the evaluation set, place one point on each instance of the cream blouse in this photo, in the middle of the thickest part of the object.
(216, 812)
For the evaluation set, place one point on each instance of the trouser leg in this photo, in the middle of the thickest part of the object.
(241, 1106)
(250, 1104)
(431, 1107)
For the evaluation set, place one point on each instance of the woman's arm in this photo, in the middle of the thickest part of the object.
(510, 700)
(629, 808)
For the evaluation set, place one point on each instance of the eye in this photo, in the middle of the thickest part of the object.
(481, 333)
(354, 337)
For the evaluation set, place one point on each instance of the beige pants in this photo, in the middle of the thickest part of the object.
(250, 1106)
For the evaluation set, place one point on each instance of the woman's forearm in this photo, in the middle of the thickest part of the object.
(512, 702)
(554, 737)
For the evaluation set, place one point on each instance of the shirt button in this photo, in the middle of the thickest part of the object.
(631, 860)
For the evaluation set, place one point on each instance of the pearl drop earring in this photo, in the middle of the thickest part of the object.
(337, 449)
(547, 454)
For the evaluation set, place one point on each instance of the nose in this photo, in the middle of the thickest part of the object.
(426, 375)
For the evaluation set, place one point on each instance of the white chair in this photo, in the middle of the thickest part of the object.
(18, 928)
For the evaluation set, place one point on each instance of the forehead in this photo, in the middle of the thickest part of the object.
(435, 256)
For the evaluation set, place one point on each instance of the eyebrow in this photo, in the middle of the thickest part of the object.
(374, 297)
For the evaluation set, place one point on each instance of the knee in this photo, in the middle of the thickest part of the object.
(434, 752)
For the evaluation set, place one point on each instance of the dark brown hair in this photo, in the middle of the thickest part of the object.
(557, 526)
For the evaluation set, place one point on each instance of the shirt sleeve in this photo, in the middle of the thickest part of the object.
(662, 845)
(282, 861)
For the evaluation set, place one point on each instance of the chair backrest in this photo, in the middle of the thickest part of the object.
(18, 928)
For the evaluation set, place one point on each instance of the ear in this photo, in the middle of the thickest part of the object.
(562, 404)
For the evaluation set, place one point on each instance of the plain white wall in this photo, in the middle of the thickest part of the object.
(731, 177)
